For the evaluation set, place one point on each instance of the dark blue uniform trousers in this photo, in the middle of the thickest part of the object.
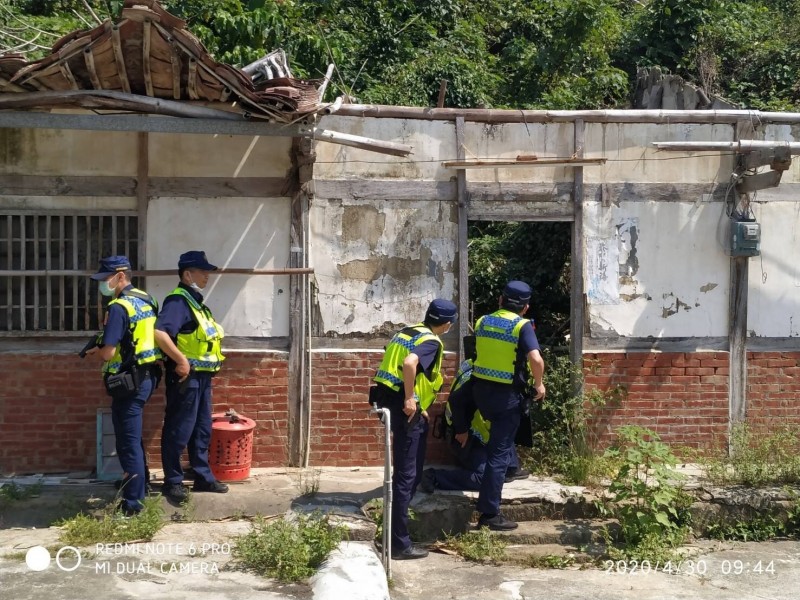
(499, 404)
(408, 454)
(470, 476)
(187, 424)
(126, 415)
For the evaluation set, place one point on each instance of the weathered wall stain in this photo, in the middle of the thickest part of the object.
(628, 236)
(362, 222)
(400, 268)
(708, 287)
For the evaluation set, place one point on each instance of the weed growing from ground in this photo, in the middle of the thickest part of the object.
(288, 550)
(110, 526)
(478, 546)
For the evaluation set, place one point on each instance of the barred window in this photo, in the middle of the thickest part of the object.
(45, 260)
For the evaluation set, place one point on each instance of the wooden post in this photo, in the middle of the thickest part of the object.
(737, 325)
(577, 303)
(142, 199)
(299, 396)
(463, 262)
(442, 92)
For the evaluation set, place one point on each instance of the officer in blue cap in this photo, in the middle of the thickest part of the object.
(130, 371)
(192, 340)
(407, 382)
(507, 355)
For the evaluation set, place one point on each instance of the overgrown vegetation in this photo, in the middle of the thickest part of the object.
(288, 550)
(11, 492)
(478, 546)
(555, 54)
(110, 526)
(757, 458)
(646, 498)
(563, 443)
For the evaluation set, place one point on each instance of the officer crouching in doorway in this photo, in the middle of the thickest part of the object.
(407, 382)
(130, 372)
(187, 333)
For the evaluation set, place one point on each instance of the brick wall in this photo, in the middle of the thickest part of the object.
(684, 396)
(48, 404)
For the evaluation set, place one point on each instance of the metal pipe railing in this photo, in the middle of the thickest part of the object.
(386, 546)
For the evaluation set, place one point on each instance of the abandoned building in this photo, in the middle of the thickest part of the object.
(337, 223)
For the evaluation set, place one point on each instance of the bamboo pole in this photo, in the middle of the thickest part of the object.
(740, 146)
(566, 116)
(365, 143)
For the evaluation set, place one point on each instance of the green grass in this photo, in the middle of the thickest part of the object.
(289, 551)
(83, 529)
(478, 546)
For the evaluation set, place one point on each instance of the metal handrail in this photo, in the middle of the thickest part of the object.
(386, 547)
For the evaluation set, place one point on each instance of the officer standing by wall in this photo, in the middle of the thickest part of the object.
(130, 371)
(189, 336)
(407, 382)
(506, 348)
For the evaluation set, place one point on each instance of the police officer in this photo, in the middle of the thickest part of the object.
(468, 433)
(507, 348)
(407, 382)
(191, 339)
(130, 370)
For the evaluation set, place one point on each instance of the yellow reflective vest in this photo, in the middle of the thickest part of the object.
(203, 346)
(142, 311)
(479, 426)
(496, 340)
(390, 372)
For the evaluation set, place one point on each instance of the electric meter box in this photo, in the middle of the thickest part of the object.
(745, 238)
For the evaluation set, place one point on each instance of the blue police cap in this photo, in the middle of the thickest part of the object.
(516, 294)
(195, 259)
(111, 265)
(440, 312)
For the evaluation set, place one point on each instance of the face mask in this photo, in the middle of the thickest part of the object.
(194, 286)
(106, 289)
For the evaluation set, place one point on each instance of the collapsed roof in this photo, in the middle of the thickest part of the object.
(149, 52)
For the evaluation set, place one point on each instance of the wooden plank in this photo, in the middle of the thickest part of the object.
(650, 344)
(148, 80)
(616, 192)
(191, 80)
(175, 61)
(512, 192)
(384, 189)
(88, 58)
(142, 198)
(119, 59)
(45, 185)
(521, 211)
(67, 73)
(150, 272)
(484, 163)
(463, 241)
(577, 303)
(218, 187)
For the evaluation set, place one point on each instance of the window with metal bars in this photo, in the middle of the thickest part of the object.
(45, 260)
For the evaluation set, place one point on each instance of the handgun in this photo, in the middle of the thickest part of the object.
(94, 342)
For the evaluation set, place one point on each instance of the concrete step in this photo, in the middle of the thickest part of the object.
(572, 532)
(553, 556)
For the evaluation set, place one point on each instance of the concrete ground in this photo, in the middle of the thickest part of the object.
(189, 557)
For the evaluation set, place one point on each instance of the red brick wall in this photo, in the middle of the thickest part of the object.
(48, 404)
(684, 396)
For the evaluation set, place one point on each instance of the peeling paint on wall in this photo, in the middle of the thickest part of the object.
(708, 287)
(628, 237)
(601, 254)
(673, 308)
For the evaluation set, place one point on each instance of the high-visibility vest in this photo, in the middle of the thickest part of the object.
(142, 311)
(479, 426)
(403, 343)
(496, 341)
(203, 346)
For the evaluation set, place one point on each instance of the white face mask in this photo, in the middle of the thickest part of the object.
(193, 285)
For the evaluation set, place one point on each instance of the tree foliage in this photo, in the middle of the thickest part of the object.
(557, 54)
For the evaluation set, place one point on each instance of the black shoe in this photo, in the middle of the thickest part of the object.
(175, 491)
(205, 486)
(410, 553)
(497, 523)
(428, 483)
(516, 474)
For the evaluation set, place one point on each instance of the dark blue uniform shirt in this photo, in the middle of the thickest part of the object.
(175, 316)
(426, 352)
(527, 342)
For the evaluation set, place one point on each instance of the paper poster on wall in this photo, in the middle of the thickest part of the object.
(602, 270)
